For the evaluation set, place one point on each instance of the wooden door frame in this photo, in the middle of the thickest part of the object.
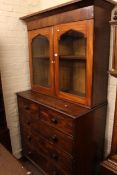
(48, 32)
(85, 27)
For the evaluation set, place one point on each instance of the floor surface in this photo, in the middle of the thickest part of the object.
(30, 167)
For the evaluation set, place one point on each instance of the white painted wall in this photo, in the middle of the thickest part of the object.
(111, 101)
(14, 64)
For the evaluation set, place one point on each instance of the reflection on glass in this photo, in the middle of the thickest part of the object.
(40, 60)
(72, 63)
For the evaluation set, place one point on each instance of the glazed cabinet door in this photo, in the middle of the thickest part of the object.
(73, 53)
(41, 60)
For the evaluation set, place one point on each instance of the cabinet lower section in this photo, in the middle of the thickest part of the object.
(60, 140)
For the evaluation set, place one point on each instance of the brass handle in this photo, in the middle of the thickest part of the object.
(54, 138)
(54, 120)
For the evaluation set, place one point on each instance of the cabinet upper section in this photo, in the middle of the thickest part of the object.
(68, 52)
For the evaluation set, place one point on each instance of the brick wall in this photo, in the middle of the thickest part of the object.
(14, 63)
(14, 58)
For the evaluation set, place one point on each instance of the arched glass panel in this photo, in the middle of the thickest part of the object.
(41, 61)
(72, 63)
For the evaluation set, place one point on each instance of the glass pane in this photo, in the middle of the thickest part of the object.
(41, 61)
(72, 63)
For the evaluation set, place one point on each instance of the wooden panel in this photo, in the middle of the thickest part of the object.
(47, 32)
(85, 27)
(72, 110)
(60, 140)
(57, 120)
(48, 150)
(101, 54)
(75, 15)
(41, 160)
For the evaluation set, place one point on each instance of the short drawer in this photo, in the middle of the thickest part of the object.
(57, 120)
(55, 137)
(28, 110)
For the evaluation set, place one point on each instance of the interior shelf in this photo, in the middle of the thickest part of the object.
(73, 57)
(41, 57)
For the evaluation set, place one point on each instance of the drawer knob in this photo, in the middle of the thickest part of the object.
(29, 138)
(54, 120)
(55, 156)
(28, 122)
(54, 138)
(27, 108)
(55, 173)
(29, 153)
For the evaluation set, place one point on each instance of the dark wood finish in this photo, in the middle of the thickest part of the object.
(109, 167)
(9, 165)
(85, 27)
(48, 33)
(70, 16)
(66, 7)
(4, 131)
(91, 13)
(113, 71)
(101, 53)
(54, 119)
(58, 135)
(68, 142)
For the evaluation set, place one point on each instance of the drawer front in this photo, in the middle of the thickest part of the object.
(45, 148)
(57, 120)
(44, 163)
(28, 110)
(55, 137)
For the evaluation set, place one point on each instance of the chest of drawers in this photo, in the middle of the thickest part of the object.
(62, 139)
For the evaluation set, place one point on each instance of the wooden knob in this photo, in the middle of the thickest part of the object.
(29, 138)
(29, 153)
(54, 120)
(54, 173)
(55, 156)
(27, 108)
(28, 122)
(54, 138)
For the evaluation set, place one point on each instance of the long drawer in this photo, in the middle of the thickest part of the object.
(43, 162)
(55, 137)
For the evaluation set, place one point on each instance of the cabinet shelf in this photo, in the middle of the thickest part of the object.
(41, 57)
(73, 57)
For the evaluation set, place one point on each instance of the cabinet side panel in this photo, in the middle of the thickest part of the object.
(90, 141)
(101, 54)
